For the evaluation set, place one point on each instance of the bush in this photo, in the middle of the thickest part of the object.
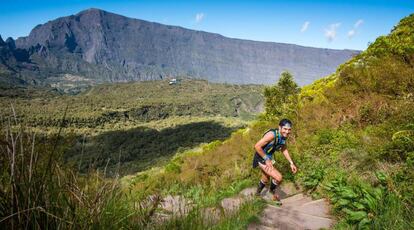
(400, 147)
(277, 97)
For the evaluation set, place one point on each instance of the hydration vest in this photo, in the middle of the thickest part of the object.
(278, 142)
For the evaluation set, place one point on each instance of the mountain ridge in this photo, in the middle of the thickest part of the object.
(107, 47)
(195, 30)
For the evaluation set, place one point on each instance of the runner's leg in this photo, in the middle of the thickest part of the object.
(264, 179)
(276, 178)
(272, 172)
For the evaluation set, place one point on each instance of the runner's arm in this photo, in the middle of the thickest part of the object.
(287, 156)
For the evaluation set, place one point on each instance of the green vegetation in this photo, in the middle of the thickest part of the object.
(38, 191)
(135, 103)
(353, 142)
(355, 135)
(73, 139)
(140, 148)
(127, 128)
(280, 95)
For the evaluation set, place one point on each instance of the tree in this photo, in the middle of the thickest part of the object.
(279, 96)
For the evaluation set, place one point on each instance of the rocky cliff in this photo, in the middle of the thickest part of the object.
(98, 46)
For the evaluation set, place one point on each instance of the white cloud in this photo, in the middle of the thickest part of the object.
(330, 33)
(351, 33)
(358, 23)
(199, 17)
(305, 26)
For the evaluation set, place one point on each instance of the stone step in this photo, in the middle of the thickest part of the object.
(248, 192)
(313, 207)
(285, 190)
(231, 204)
(297, 199)
(282, 216)
(280, 223)
(176, 205)
(317, 208)
(296, 203)
(258, 226)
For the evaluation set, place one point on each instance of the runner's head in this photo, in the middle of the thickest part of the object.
(285, 127)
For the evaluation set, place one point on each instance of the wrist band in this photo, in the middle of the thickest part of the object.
(266, 157)
(291, 162)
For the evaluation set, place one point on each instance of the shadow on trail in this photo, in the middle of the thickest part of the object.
(140, 148)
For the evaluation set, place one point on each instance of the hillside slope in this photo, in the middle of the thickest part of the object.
(353, 141)
(355, 134)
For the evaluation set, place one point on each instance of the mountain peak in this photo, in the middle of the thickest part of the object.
(10, 41)
(92, 11)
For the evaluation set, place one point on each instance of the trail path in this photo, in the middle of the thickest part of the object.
(297, 212)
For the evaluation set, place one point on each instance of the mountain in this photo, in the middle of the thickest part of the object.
(14, 62)
(97, 46)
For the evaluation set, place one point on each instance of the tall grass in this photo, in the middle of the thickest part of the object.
(37, 191)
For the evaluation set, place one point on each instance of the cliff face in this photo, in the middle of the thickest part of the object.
(106, 47)
(16, 68)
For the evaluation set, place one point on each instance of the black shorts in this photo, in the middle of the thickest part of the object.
(256, 159)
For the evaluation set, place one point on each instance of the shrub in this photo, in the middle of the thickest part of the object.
(279, 96)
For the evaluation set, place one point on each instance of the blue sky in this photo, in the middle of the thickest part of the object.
(328, 24)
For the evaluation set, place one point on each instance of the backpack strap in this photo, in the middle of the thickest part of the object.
(275, 140)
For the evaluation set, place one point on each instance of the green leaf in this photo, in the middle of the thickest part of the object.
(357, 215)
(364, 223)
(370, 201)
(343, 202)
(346, 210)
(377, 193)
(348, 193)
(404, 134)
(381, 176)
(328, 186)
(358, 206)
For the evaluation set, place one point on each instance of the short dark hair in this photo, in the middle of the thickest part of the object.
(284, 122)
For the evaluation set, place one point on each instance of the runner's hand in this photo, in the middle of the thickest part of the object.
(293, 168)
(269, 165)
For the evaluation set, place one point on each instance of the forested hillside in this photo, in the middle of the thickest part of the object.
(128, 127)
(134, 102)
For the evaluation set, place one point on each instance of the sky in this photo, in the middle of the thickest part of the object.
(351, 24)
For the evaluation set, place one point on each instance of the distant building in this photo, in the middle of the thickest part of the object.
(174, 81)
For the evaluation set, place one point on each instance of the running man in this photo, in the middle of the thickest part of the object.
(272, 140)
